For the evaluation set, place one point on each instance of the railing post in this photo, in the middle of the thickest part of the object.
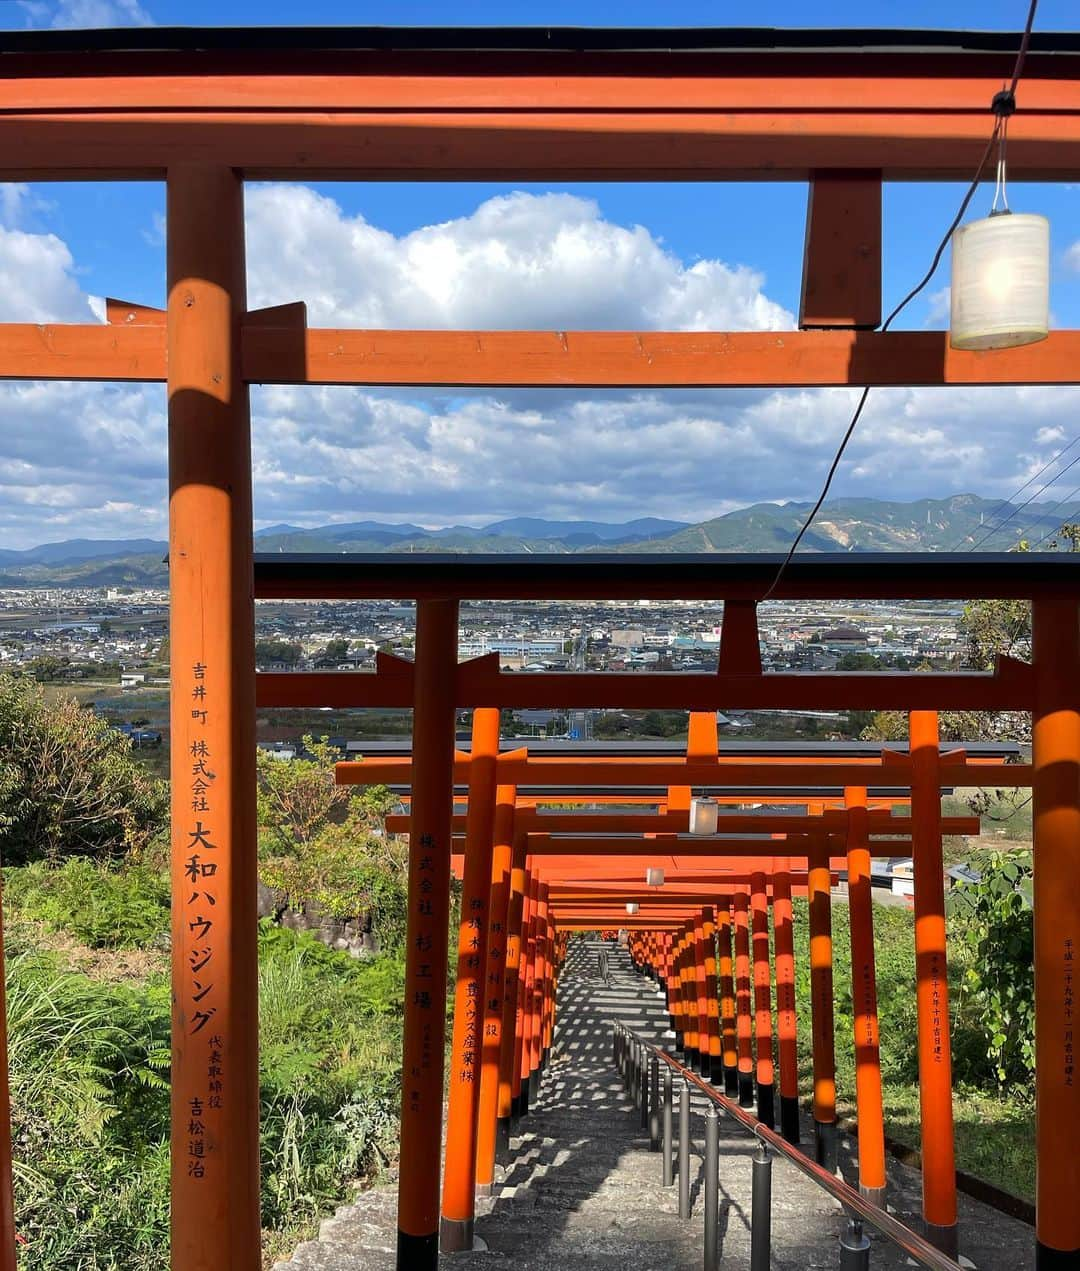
(761, 1210)
(654, 1104)
(684, 1150)
(712, 1189)
(643, 1085)
(854, 1247)
(669, 1136)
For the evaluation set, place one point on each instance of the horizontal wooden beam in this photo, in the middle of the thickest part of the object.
(480, 683)
(508, 115)
(136, 350)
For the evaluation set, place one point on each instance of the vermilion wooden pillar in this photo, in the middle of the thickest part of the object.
(701, 998)
(842, 256)
(459, 1176)
(689, 982)
(215, 1062)
(932, 987)
(526, 989)
(541, 978)
(495, 986)
(759, 908)
(864, 1001)
(729, 1052)
(714, 1068)
(427, 933)
(786, 1027)
(742, 997)
(822, 1004)
(508, 1040)
(1056, 755)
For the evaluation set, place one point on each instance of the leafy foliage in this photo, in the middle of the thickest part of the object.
(102, 907)
(325, 844)
(69, 784)
(995, 919)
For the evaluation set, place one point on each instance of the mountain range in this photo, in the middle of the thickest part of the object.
(961, 522)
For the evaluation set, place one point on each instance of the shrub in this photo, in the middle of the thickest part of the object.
(102, 907)
(69, 784)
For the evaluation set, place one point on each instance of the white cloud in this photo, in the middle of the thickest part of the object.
(519, 261)
(85, 14)
(1072, 256)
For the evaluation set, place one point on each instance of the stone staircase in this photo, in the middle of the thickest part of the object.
(581, 1191)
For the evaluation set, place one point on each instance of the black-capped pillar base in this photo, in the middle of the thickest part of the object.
(766, 1103)
(1047, 1259)
(825, 1145)
(502, 1135)
(456, 1235)
(746, 1089)
(731, 1081)
(789, 1117)
(945, 1239)
(417, 1253)
(716, 1074)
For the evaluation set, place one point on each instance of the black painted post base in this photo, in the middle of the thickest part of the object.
(789, 1117)
(766, 1103)
(731, 1081)
(672, 1028)
(746, 1089)
(1047, 1259)
(417, 1253)
(680, 1044)
(502, 1135)
(825, 1145)
(704, 1063)
(534, 1084)
(456, 1235)
(716, 1074)
(946, 1239)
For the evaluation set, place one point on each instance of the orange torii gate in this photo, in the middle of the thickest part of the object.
(205, 110)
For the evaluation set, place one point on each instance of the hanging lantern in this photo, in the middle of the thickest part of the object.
(1000, 282)
(703, 816)
(632, 907)
(654, 877)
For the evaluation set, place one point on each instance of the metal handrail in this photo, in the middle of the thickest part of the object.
(891, 1228)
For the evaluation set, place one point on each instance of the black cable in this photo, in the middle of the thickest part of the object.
(1028, 501)
(1000, 507)
(1003, 105)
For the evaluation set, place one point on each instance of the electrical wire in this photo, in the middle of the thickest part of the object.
(1002, 105)
(1027, 502)
(1000, 507)
(1059, 504)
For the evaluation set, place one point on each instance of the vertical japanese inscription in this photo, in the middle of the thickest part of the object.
(424, 943)
(199, 901)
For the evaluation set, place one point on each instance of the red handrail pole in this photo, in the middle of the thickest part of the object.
(1056, 754)
(822, 1002)
(459, 1174)
(729, 1052)
(215, 1018)
(786, 1025)
(495, 987)
(868, 1098)
(766, 1090)
(743, 1026)
(932, 987)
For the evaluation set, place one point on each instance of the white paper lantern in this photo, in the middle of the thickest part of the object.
(1000, 282)
(654, 877)
(703, 816)
(632, 907)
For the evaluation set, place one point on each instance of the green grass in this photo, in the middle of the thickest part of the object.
(995, 1133)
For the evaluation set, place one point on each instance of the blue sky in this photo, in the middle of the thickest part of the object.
(714, 254)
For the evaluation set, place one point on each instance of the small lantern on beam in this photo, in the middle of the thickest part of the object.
(654, 877)
(632, 907)
(703, 813)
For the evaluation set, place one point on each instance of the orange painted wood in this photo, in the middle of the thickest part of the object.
(647, 359)
(428, 922)
(784, 956)
(932, 977)
(821, 980)
(215, 1216)
(742, 981)
(1056, 748)
(55, 351)
(763, 1029)
(841, 284)
(868, 1097)
(726, 982)
(466, 1047)
(712, 1001)
(495, 977)
(515, 919)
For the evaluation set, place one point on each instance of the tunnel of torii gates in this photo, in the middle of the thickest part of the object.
(844, 111)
